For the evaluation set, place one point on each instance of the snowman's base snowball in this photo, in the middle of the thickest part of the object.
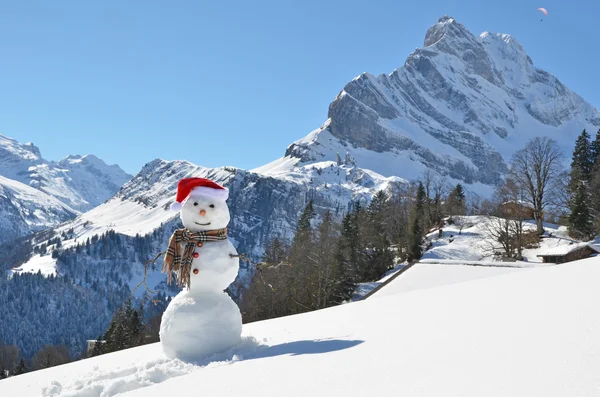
(198, 325)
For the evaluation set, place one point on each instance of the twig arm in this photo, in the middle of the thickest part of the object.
(149, 292)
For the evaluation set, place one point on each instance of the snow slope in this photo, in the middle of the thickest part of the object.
(514, 334)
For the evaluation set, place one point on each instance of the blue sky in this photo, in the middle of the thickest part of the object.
(234, 83)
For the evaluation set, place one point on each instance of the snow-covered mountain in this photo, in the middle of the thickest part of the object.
(24, 209)
(80, 182)
(437, 330)
(461, 106)
(37, 194)
(261, 207)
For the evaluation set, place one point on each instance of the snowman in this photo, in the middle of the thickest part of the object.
(202, 319)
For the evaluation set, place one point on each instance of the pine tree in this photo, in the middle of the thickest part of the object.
(307, 215)
(583, 161)
(324, 260)
(580, 219)
(275, 252)
(580, 185)
(416, 225)
(457, 204)
(594, 183)
(379, 257)
(344, 288)
(353, 230)
(595, 148)
(302, 245)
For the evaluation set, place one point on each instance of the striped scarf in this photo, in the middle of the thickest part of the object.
(182, 264)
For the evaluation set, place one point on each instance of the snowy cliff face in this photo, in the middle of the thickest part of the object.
(461, 106)
(80, 182)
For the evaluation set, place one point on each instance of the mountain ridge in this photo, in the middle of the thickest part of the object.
(50, 192)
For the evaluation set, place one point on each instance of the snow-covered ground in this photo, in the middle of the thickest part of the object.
(430, 275)
(38, 263)
(364, 289)
(508, 332)
(471, 243)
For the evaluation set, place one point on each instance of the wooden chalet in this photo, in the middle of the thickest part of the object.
(568, 253)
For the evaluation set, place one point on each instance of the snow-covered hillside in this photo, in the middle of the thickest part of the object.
(261, 207)
(80, 182)
(510, 332)
(460, 106)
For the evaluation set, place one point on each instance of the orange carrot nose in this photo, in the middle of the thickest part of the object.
(202, 212)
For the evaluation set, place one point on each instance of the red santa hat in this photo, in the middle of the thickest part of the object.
(197, 187)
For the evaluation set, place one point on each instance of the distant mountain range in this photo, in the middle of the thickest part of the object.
(460, 107)
(36, 194)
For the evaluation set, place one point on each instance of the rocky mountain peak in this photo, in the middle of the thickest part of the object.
(460, 106)
(448, 29)
(33, 149)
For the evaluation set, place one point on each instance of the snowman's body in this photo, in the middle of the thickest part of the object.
(204, 320)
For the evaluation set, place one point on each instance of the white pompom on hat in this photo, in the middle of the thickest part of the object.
(198, 187)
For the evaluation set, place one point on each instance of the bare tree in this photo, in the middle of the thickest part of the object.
(561, 199)
(50, 356)
(9, 358)
(535, 168)
(506, 229)
(504, 237)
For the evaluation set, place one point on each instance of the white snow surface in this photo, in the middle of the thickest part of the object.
(38, 263)
(526, 332)
(362, 289)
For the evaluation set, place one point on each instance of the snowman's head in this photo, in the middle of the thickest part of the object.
(201, 213)
(201, 204)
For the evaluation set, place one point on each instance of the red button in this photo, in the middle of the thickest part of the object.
(196, 255)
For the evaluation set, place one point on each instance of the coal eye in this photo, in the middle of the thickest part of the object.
(212, 206)
(195, 204)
